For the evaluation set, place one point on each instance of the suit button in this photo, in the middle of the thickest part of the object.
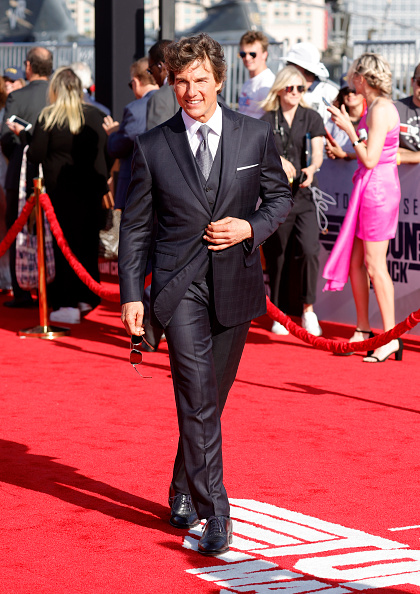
(211, 202)
(207, 189)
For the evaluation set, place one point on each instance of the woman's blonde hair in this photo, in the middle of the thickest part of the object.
(376, 71)
(66, 102)
(283, 78)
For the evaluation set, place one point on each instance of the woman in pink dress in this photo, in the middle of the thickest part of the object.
(372, 216)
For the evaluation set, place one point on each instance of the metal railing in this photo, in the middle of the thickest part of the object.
(403, 56)
(14, 54)
(64, 54)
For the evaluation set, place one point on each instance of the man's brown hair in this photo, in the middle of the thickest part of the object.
(179, 54)
(251, 37)
(41, 61)
(138, 70)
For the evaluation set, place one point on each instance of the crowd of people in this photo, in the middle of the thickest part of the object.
(76, 140)
(201, 189)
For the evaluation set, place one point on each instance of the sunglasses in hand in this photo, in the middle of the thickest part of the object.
(136, 355)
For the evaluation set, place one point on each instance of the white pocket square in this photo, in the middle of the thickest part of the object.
(247, 167)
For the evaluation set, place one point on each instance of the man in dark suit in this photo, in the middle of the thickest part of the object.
(121, 137)
(201, 172)
(25, 103)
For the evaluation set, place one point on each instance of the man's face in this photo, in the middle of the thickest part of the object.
(416, 87)
(157, 70)
(254, 65)
(309, 77)
(196, 90)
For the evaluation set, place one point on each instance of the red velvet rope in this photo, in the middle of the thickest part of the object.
(17, 226)
(113, 294)
(335, 346)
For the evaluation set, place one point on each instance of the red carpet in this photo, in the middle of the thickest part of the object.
(321, 458)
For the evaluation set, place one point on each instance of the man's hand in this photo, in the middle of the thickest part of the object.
(227, 232)
(132, 317)
(110, 125)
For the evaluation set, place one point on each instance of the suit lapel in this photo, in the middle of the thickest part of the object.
(231, 142)
(177, 140)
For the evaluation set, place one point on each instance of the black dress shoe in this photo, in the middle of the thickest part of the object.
(217, 536)
(183, 514)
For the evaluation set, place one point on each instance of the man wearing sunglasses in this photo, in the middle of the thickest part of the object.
(201, 174)
(254, 53)
(409, 110)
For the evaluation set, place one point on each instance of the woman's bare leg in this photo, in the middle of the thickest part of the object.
(360, 286)
(375, 259)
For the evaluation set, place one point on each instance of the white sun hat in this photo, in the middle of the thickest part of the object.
(307, 56)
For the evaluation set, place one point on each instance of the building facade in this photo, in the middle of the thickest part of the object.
(83, 13)
(283, 20)
(389, 20)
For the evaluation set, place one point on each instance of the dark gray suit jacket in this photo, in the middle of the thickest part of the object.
(162, 106)
(27, 103)
(165, 181)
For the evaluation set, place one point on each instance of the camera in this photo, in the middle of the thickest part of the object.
(303, 177)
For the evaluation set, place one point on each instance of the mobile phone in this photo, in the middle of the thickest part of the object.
(26, 125)
(327, 103)
(303, 177)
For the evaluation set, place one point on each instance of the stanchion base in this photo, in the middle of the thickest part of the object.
(48, 332)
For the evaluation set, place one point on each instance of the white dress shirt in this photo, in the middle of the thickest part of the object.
(192, 127)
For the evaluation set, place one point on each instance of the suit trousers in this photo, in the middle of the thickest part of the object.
(204, 359)
(301, 219)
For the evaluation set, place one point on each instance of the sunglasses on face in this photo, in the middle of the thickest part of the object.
(347, 91)
(244, 54)
(291, 88)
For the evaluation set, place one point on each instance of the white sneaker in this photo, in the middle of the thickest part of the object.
(277, 328)
(68, 315)
(310, 323)
(84, 308)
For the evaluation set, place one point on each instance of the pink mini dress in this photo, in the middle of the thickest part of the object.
(372, 214)
(380, 191)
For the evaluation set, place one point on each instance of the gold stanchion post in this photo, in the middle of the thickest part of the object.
(44, 330)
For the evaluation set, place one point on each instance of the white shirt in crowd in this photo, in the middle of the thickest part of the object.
(315, 93)
(253, 91)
